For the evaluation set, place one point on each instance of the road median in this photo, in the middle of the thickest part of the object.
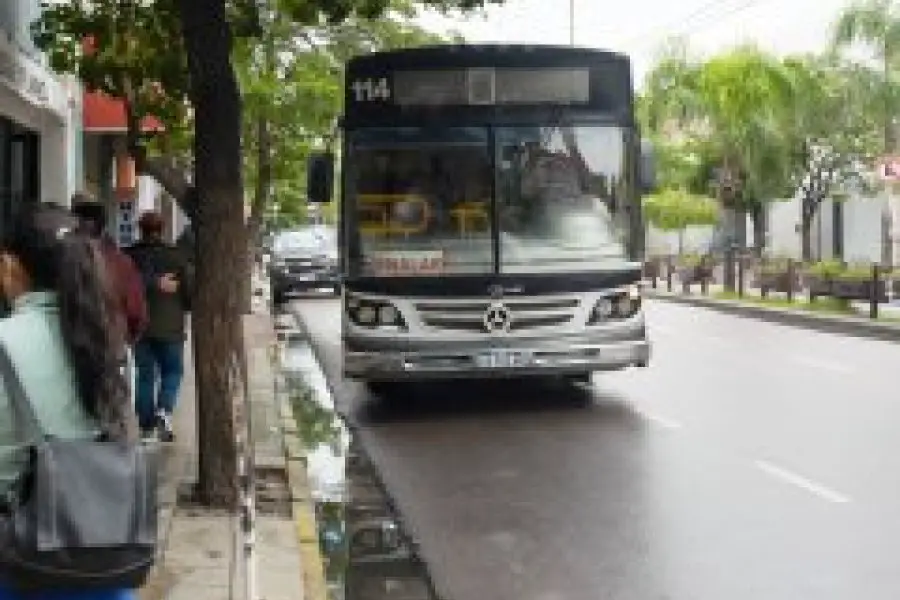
(758, 308)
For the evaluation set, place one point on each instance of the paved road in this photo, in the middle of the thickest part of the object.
(750, 461)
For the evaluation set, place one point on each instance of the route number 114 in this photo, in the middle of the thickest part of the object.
(371, 90)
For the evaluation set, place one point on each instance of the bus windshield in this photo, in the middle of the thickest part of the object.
(424, 200)
(561, 194)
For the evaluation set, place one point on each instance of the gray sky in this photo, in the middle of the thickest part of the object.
(639, 27)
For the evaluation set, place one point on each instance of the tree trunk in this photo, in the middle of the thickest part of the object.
(728, 198)
(760, 228)
(260, 200)
(837, 230)
(806, 237)
(221, 244)
(808, 209)
(263, 170)
(729, 273)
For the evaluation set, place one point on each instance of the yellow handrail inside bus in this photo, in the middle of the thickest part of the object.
(470, 215)
(375, 214)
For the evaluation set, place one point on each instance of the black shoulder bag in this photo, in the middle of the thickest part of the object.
(84, 513)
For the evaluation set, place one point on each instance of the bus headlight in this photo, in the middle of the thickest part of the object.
(617, 305)
(373, 313)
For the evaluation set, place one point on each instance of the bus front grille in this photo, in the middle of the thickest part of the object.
(468, 316)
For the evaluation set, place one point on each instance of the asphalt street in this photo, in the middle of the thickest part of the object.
(750, 461)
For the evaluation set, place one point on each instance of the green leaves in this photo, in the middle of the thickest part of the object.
(742, 120)
(876, 24)
(291, 78)
(128, 49)
(676, 210)
(334, 12)
(289, 65)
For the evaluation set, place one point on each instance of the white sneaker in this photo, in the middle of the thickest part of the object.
(164, 427)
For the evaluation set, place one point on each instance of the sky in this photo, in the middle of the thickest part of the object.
(640, 27)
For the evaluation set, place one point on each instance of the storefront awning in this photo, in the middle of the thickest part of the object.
(103, 114)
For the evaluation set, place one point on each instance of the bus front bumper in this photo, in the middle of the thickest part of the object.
(478, 361)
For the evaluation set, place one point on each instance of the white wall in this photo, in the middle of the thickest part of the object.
(74, 138)
(863, 229)
(783, 226)
(149, 192)
(33, 96)
(861, 234)
(55, 175)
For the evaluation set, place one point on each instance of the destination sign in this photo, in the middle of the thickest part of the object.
(408, 262)
(477, 86)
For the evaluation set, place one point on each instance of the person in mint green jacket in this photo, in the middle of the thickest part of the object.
(63, 340)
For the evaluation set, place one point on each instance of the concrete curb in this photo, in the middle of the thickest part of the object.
(854, 326)
(302, 504)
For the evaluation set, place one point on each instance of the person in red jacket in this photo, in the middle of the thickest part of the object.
(127, 282)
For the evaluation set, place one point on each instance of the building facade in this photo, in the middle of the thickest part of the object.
(110, 174)
(40, 119)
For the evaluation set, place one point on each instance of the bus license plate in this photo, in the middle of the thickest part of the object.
(502, 359)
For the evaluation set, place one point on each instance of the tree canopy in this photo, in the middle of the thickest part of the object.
(291, 86)
(729, 114)
(134, 50)
(748, 127)
(678, 209)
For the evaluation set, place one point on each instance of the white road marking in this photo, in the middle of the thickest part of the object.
(801, 482)
(824, 365)
(663, 422)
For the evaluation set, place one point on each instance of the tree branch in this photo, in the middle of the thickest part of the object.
(163, 169)
(166, 172)
(263, 172)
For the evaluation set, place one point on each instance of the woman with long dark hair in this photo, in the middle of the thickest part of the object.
(65, 345)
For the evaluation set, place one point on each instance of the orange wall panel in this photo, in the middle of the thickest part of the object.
(126, 176)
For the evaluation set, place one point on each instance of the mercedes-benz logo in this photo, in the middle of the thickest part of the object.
(497, 318)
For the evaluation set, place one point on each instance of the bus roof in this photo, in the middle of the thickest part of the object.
(456, 55)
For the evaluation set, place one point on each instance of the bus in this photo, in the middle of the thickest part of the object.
(490, 216)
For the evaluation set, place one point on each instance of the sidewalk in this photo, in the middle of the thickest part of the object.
(778, 310)
(195, 559)
(201, 551)
(752, 294)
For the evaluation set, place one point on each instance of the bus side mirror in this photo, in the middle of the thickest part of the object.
(320, 178)
(647, 168)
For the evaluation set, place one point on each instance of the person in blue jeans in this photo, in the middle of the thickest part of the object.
(159, 353)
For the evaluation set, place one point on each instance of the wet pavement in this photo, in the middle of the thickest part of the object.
(750, 461)
(366, 553)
